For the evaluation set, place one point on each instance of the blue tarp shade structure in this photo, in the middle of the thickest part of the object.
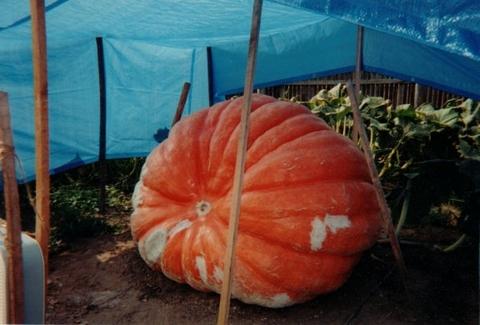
(151, 47)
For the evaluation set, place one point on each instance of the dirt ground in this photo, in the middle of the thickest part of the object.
(103, 280)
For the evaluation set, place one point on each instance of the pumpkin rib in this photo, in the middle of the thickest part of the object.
(303, 183)
(289, 259)
(198, 248)
(141, 231)
(292, 141)
(321, 133)
(148, 180)
(160, 197)
(170, 197)
(231, 121)
(324, 251)
(254, 122)
(186, 258)
(280, 145)
(213, 115)
(221, 120)
(198, 172)
(268, 132)
(214, 131)
(223, 243)
(262, 237)
(258, 273)
(287, 171)
(297, 249)
(248, 167)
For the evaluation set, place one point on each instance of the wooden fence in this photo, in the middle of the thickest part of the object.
(372, 84)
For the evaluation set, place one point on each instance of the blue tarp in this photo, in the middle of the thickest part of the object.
(151, 47)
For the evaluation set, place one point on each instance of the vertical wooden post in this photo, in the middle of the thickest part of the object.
(211, 85)
(358, 74)
(385, 211)
(229, 261)
(359, 59)
(13, 241)
(181, 103)
(42, 161)
(102, 141)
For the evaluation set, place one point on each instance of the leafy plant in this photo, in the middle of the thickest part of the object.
(74, 214)
(75, 201)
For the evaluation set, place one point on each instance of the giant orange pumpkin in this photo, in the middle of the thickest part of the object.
(308, 207)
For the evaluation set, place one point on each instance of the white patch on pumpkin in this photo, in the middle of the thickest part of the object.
(151, 248)
(318, 234)
(335, 222)
(319, 229)
(202, 268)
(280, 300)
(137, 197)
(277, 301)
(182, 225)
(218, 274)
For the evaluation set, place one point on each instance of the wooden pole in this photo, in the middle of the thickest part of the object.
(358, 73)
(40, 90)
(228, 268)
(13, 240)
(359, 59)
(385, 211)
(102, 139)
(211, 85)
(181, 103)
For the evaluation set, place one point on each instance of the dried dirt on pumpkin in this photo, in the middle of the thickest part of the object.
(103, 280)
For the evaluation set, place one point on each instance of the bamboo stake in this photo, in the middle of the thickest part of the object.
(40, 90)
(385, 211)
(229, 262)
(13, 241)
(181, 103)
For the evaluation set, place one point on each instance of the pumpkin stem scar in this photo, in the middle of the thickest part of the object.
(203, 208)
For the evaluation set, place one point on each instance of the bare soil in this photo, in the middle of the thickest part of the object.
(103, 280)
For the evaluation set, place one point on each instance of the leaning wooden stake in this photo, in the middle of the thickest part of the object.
(13, 241)
(385, 211)
(40, 90)
(228, 269)
(181, 103)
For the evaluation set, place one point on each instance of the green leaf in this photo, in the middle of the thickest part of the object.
(374, 123)
(447, 117)
(336, 91)
(467, 116)
(468, 151)
(405, 111)
(425, 109)
(418, 130)
(374, 102)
